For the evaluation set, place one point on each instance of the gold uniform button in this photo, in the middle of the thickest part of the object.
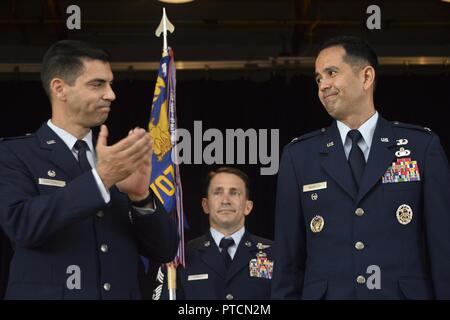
(229, 296)
(104, 248)
(359, 245)
(107, 286)
(361, 280)
(359, 212)
(100, 214)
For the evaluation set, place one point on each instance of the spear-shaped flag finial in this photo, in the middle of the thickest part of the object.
(164, 26)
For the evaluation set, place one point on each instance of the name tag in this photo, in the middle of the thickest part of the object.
(51, 182)
(195, 277)
(315, 186)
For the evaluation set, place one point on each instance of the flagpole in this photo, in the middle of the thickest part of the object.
(172, 281)
(164, 26)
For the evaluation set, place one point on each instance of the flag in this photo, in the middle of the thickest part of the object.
(165, 178)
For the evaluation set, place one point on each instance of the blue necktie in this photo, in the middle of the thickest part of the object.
(356, 157)
(82, 148)
(225, 244)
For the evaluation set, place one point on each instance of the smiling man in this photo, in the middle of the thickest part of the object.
(227, 262)
(79, 216)
(363, 207)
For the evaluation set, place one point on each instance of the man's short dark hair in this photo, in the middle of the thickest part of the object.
(244, 177)
(357, 51)
(64, 59)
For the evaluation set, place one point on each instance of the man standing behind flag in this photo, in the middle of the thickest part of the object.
(227, 263)
(78, 216)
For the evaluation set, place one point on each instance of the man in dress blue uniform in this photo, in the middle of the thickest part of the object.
(227, 262)
(363, 207)
(77, 216)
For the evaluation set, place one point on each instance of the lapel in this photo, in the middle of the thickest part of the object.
(244, 253)
(380, 157)
(211, 256)
(60, 155)
(334, 161)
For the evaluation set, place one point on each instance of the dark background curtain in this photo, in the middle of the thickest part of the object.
(285, 102)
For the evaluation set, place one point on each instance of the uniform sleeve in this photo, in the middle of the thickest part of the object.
(157, 234)
(160, 292)
(436, 178)
(290, 245)
(29, 218)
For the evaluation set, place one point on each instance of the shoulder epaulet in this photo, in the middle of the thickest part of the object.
(411, 126)
(28, 135)
(308, 135)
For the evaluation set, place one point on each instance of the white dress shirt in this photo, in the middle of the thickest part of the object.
(367, 130)
(237, 236)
